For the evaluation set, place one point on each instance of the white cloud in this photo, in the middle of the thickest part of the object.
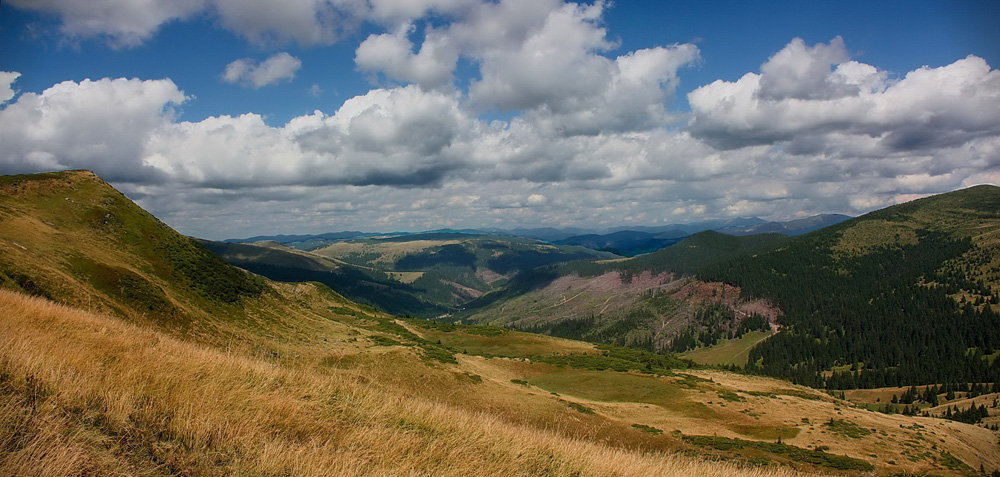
(279, 67)
(590, 141)
(392, 55)
(7, 79)
(132, 22)
(102, 125)
(810, 107)
(308, 22)
(123, 22)
(802, 72)
(395, 12)
(543, 57)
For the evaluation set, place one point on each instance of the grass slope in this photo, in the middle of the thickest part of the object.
(87, 393)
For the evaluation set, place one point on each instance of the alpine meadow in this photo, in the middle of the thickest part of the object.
(499, 238)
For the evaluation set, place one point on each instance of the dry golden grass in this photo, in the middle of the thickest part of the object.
(88, 394)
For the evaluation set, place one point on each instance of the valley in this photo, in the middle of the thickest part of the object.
(129, 348)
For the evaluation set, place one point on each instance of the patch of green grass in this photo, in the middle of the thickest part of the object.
(439, 353)
(846, 428)
(520, 381)
(727, 352)
(796, 454)
(617, 358)
(652, 430)
(621, 387)
(953, 462)
(380, 340)
(579, 407)
(475, 378)
(767, 432)
(731, 396)
(691, 382)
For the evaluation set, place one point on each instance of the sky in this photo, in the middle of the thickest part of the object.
(234, 118)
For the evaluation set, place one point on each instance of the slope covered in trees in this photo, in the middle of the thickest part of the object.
(904, 295)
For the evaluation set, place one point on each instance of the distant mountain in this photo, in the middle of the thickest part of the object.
(546, 234)
(626, 243)
(694, 227)
(791, 227)
(631, 242)
(418, 274)
(359, 284)
(286, 239)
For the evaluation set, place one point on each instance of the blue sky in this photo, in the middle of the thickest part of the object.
(527, 113)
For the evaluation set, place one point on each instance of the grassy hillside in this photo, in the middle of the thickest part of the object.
(293, 379)
(73, 238)
(86, 393)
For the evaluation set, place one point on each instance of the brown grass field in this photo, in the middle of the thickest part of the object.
(89, 394)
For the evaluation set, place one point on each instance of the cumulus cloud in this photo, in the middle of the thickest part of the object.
(802, 72)
(806, 99)
(307, 22)
(123, 22)
(392, 55)
(396, 12)
(542, 57)
(101, 125)
(132, 22)
(590, 139)
(279, 67)
(7, 79)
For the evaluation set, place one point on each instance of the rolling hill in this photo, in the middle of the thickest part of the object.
(130, 349)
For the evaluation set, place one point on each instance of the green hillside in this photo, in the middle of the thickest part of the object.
(905, 295)
(72, 238)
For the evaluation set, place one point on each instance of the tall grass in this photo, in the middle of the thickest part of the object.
(88, 394)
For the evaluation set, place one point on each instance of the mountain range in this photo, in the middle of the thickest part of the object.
(129, 348)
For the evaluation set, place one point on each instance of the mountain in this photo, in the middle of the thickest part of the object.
(650, 301)
(131, 349)
(625, 243)
(426, 274)
(288, 239)
(449, 269)
(900, 296)
(791, 227)
(904, 294)
(644, 240)
(72, 238)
